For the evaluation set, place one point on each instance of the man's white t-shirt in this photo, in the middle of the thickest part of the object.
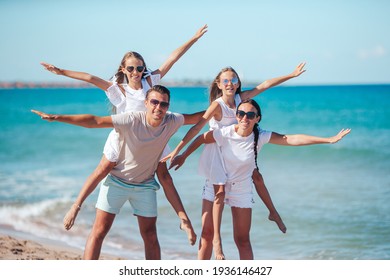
(141, 145)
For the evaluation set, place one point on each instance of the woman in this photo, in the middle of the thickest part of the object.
(225, 95)
(240, 144)
(126, 91)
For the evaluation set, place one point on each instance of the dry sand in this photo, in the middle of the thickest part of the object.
(12, 248)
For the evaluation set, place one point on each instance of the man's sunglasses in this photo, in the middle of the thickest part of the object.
(225, 82)
(163, 104)
(249, 115)
(138, 68)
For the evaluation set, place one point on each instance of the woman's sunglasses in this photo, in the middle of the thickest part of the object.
(138, 68)
(249, 115)
(163, 104)
(225, 82)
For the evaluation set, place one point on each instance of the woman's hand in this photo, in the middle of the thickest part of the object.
(44, 116)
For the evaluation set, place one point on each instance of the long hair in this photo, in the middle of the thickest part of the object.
(119, 76)
(215, 92)
(255, 127)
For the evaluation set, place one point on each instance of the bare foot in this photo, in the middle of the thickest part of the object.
(70, 217)
(278, 220)
(186, 226)
(217, 247)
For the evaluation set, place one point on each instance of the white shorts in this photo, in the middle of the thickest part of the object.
(111, 148)
(237, 194)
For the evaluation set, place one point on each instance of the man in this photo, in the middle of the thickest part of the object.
(143, 136)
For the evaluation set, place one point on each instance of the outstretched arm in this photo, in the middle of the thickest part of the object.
(89, 121)
(178, 53)
(210, 112)
(82, 76)
(272, 82)
(193, 118)
(205, 138)
(302, 139)
(174, 199)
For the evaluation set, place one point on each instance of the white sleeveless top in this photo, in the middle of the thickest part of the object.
(210, 162)
(228, 114)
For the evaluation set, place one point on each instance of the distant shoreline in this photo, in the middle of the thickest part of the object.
(184, 83)
(23, 85)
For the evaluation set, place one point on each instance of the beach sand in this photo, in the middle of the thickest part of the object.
(16, 248)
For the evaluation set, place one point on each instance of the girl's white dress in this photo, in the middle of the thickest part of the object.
(210, 162)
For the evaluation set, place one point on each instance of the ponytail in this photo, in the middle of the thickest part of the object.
(256, 134)
(255, 127)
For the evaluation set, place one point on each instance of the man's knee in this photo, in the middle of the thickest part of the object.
(149, 233)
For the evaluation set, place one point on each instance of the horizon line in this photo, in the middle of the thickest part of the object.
(182, 83)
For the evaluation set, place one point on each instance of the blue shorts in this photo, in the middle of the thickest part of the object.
(142, 197)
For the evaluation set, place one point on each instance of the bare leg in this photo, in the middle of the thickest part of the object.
(205, 244)
(219, 191)
(101, 227)
(173, 197)
(101, 171)
(241, 227)
(262, 191)
(148, 230)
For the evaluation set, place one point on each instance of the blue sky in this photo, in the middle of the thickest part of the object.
(342, 41)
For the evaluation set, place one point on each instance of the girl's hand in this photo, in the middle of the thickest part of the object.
(52, 68)
(299, 70)
(178, 160)
(170, 156)
(339, 135)
(200, 32)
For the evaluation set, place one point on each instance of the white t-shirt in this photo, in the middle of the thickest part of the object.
(141, 144)
(237, 152)
(134, 99)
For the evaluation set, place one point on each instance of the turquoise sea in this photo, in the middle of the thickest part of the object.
(334, 199)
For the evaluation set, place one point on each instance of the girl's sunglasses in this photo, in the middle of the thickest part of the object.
(138, 68)
(163, 104)
(249, 115)
(225, 82)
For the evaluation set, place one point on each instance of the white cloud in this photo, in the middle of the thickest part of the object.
(375, 52)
